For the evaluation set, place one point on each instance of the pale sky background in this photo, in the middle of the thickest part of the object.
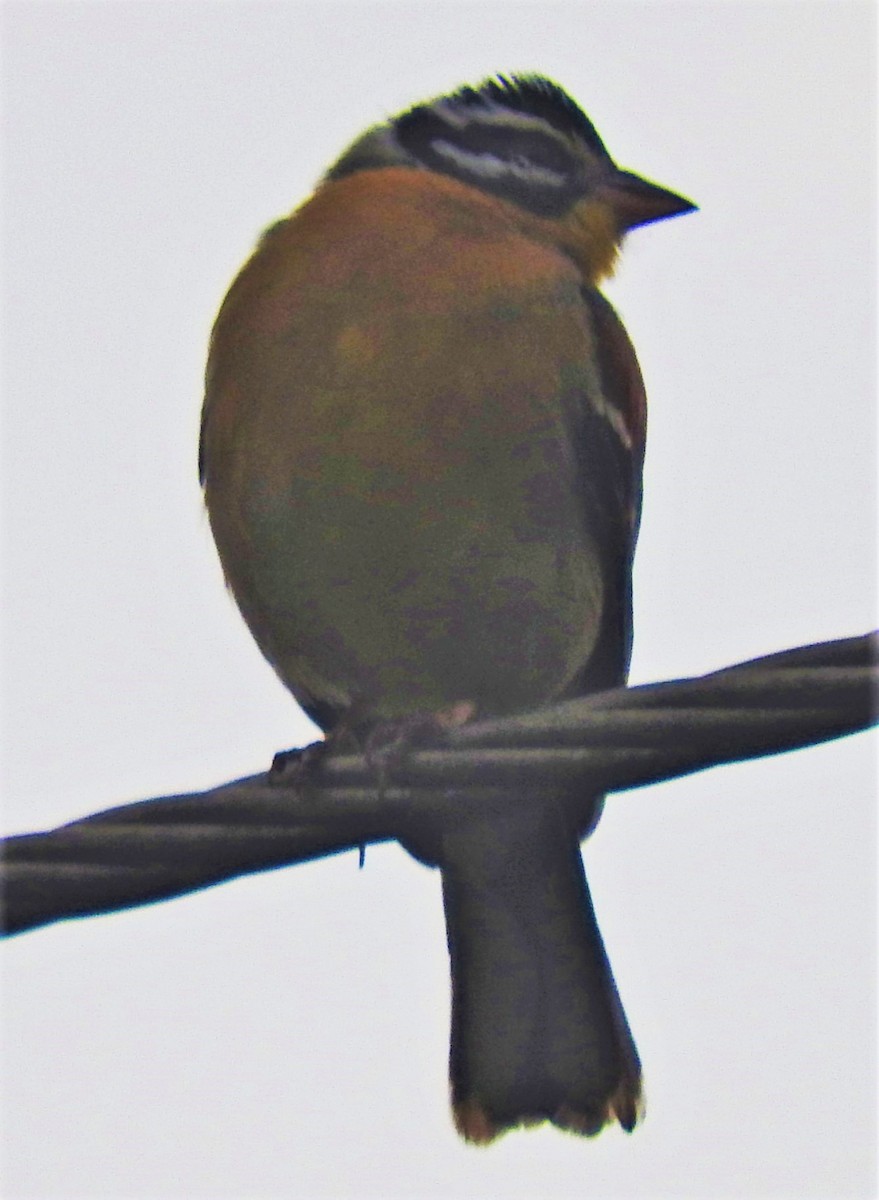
(286, 1035)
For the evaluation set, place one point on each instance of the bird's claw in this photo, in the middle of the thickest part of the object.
(300, 760)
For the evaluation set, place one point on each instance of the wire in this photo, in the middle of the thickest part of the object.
(608, 741)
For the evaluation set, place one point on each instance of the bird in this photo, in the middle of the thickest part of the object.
(421, 454)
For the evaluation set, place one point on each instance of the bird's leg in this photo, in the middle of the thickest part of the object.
(302, 759)
(299, 759)
(389, 743)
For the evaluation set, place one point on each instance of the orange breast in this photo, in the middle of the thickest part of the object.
(390, 472)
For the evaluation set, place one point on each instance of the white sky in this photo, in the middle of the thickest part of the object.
(286, 1035)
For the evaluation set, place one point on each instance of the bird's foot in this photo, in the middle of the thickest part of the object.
(299, 761)
(389, 744)
(386, 749)
(341, 739)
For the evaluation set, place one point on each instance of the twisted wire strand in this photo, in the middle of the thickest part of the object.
(609, 741)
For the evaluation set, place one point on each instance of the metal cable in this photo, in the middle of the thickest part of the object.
(609, 741)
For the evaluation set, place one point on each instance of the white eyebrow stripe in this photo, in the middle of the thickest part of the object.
(490, 114)
(490, 166)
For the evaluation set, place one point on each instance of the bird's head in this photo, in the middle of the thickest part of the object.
(524, 140)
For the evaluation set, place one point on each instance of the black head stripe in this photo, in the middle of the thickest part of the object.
(539, 97)
(517, 147)
(509, 149)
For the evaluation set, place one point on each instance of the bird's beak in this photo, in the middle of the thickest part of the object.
(637, 201)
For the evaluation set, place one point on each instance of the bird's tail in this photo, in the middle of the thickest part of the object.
(538, 1030)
